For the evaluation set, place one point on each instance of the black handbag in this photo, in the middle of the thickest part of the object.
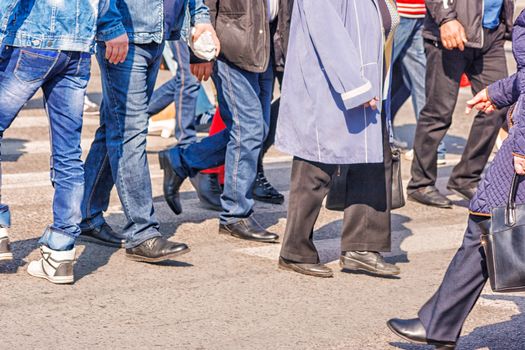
(336, 199)
(505, 245)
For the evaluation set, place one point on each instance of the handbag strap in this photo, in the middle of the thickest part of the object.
(510, 212)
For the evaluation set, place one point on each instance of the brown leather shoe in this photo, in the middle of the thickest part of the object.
(372, 262)
(249, 229)
(156, 249)
(317, 270)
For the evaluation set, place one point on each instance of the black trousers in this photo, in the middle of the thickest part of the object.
(444, 314)
(444, 69)
(366, 223)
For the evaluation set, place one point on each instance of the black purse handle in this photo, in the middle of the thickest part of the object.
(510, 212)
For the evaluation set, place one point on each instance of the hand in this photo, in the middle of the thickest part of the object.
(519, 165)
(202, 71)
(206, 27)
(453, 35)
(117, 49)
(481, 102)
(372, 103)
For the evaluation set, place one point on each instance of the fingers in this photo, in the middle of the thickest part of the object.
(123, 52)
(519, 166)
(109, 51)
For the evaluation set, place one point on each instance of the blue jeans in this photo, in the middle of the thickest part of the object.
(244, 101)
(118, 153)
(183, 89)
(63, 77)
(409, 79)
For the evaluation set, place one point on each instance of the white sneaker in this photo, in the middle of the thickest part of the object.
(55, 266)
(5, 249)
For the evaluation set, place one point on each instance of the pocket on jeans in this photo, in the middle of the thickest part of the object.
(34, 65)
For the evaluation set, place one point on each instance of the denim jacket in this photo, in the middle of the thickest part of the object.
(59, 24)
(145, 20)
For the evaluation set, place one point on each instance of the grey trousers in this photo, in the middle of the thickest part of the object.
(444, 314)
(366, 223)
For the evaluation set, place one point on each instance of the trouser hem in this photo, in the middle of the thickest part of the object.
(299, 258)
(369, 247)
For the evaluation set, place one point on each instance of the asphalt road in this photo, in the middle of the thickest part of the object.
(227, 293)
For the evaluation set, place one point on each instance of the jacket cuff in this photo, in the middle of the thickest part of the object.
(518, 155)
(356, 97)
(111, 33)
(201, 18)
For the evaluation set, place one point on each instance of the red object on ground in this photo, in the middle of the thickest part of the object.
(217, 125)
(464, 82)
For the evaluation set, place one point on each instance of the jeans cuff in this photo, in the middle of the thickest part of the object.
(5, 217)
(90, 224)
(57, 239)
(175, 158)
(141, 238)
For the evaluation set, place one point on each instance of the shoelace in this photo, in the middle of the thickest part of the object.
(264, 182)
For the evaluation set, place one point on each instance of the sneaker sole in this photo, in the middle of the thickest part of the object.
(155, 260)
(90, 239)
(6, 256)
(262, 240)
(55, 280)
(303, 272)
(356, 265)
(446, 206)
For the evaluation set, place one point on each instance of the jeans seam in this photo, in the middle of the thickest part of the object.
(92, 193)
(51, 162)
(181, 89)
(235, 116)
(114, 100)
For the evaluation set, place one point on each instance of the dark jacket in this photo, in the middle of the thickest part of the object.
(469, 13)
(244, 32)
(494, 188)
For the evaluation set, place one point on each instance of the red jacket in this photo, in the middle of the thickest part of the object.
(411, 8)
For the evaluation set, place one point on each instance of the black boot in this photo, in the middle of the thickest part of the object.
(263, 191)
(172, 183)
(208, 189)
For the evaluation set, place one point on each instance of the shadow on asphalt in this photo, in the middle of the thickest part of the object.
(21, 249)
(16, 147)
(506, 335)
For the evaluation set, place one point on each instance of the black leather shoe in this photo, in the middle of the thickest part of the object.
(430, 196)
(103, 235)
(464, 192)
(263, 191)
(172, 183)
(367, 261)
(317, 270)
(156, 249)
(413, 331)
(248, 229)
(208, 189)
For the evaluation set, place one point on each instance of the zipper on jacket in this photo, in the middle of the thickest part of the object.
(482, 29)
